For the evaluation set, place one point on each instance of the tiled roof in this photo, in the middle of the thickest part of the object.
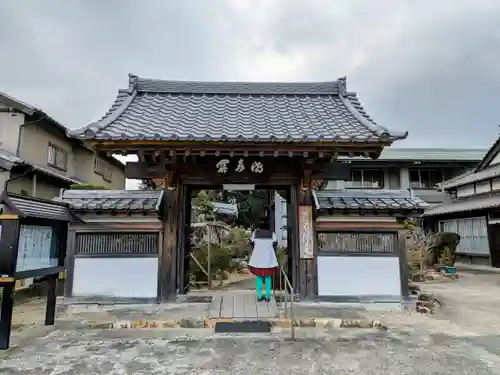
(362, 199)
(483, 170)
(28, 109)
(225, 208)
(236, 111)
(38, 208)
(464, 205)
(113, 200)
(485, 174)
(8, 159)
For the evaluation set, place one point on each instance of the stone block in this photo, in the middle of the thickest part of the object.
(192, 323)
(170, 324)
(101, 325)
(210, 323)
(281, 323)
(425, 297)
(306, 323)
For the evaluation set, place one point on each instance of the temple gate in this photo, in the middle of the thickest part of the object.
(210, 134)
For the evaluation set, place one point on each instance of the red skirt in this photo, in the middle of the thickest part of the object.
(263, 271)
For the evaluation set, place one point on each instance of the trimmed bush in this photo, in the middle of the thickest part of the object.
(87, 187)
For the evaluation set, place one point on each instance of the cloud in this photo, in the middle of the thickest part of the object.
(429, 67)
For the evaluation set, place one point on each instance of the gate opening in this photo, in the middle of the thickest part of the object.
(218, 226)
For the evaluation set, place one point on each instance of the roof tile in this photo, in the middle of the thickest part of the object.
(236, 111)
(113, 200)
(354, 199)
(464, 205)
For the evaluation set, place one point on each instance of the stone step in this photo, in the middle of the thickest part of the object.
(211, 323)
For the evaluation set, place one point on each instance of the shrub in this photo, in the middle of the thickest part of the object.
(87, 187)
(443, 247)
(220, 259)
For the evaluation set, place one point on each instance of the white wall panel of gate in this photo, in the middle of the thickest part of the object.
(116, 264)
(353, 265)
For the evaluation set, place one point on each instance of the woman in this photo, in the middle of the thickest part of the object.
(263, 263)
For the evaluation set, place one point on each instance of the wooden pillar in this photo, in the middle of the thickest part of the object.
(168, 274)
(184, 200)
(403, 263)
(307, 251)
(293, 236)
(50, 309)
(8, 259)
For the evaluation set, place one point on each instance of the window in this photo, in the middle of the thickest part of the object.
(57, 157)
(366, 178)
(425, 179)
(336, 242)
(102, 169)
(473, 234)
(117, 243)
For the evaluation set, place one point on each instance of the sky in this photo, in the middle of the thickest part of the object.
(428, 67)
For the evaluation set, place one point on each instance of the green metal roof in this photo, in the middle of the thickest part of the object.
(431, 154)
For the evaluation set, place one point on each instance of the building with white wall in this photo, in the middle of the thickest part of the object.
(417, 170)
(473, 211)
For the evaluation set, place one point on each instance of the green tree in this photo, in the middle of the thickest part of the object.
(252, 205)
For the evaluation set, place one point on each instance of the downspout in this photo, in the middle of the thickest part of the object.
(33, 188)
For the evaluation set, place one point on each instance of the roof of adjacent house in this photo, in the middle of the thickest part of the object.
(8, 160)
(362, 199)
(30, 110)
(112, 200)
(152, 109)
(464, 205)
(36, 207)
(432, 154)
(469, 178)
(482, 171)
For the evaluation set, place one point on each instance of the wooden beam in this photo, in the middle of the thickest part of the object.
(8, 217)
(138, 170)
(313, 147)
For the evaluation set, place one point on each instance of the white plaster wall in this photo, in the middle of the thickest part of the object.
(358, 276)
(279, 212)
(495, 184)
(495, 160)
(404, 178)
(464, 191)
(482, 187)
(116, 277)
(335, 184)
(9, 130)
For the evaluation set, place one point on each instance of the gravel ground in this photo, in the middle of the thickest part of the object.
(463, 338)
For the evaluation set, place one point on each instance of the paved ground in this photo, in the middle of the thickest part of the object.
(464, 338)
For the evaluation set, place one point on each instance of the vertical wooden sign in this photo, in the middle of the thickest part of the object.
(306, 233)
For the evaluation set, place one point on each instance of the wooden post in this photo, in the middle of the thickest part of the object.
(307, 263)
(8, 260)
(209, 256)
(6, 315)
(293, 236)
(50, 310)
(169, 252)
